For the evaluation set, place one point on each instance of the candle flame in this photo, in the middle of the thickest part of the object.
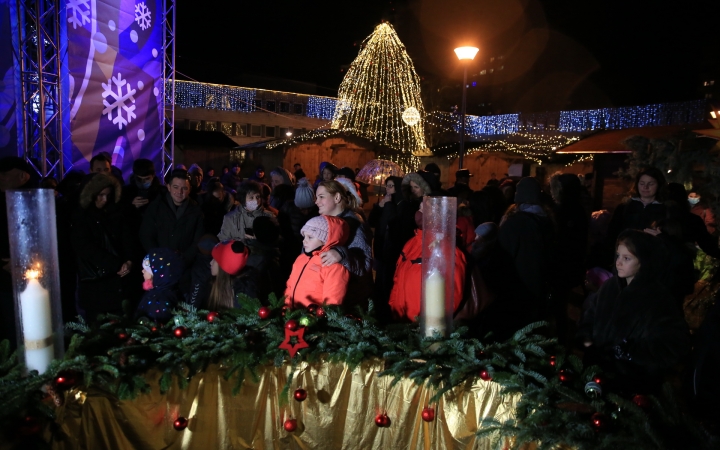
(32, 274)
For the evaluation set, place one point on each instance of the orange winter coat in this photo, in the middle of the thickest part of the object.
(310, 282)
(405, 295)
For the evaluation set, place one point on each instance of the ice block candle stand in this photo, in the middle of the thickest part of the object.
(438, 265)
(34, 263)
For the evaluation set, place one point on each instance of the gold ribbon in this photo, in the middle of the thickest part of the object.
(37, 344)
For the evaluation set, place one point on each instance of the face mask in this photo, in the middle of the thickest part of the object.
(252, 205)
(693, 200)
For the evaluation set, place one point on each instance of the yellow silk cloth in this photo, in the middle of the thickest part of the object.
(339, 413)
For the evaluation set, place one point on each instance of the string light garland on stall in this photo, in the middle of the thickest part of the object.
(380, 85)
(661, 114)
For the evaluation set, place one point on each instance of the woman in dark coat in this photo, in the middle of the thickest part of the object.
(633, 328)
(105, 249)
(383, 213)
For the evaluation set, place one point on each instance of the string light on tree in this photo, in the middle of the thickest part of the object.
(379, 86)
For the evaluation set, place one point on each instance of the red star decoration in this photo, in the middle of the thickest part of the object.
(300, 343)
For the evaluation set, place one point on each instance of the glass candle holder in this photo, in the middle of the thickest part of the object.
(438, 265)
(36, 282)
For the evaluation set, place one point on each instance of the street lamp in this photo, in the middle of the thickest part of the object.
(464, 53)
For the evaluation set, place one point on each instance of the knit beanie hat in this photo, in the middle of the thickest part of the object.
(527, 191)
(316, 227)
(304, 194)
(231, 256)
(351, 188)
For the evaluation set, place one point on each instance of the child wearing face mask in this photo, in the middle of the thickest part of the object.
(238, 223)
(310, 282)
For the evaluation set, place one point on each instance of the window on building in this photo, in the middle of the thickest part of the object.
(483, 72)
(258, 104)
(256, 131)
(226, 128)
(284, 107)
(195, 125)
(240, 129)
(211, 126)
(269, 131)
(270, 105)
(298, 108)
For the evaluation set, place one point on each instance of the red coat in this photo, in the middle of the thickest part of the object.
(310, 282)
(405, 295)
(467, 231)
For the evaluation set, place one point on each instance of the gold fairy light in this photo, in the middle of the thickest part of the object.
(380, 85)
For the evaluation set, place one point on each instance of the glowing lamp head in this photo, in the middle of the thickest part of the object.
(713, 114)
(288, 133)
(466, 52)
(32, 274)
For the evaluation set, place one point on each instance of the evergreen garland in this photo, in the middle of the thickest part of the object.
(116, 356)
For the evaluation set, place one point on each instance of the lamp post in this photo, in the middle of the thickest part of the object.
(464, 53)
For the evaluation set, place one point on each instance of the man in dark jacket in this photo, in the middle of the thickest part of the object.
(174, 220)
(143, 188)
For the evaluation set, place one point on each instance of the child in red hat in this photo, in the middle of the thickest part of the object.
(310, 281)
(232, 276)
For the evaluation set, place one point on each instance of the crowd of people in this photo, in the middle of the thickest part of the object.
(524, 248)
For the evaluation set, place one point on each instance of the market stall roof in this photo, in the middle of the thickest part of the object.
(711, 133)
(612, 141)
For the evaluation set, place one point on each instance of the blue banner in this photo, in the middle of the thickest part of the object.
(115, 61)
(8, 121)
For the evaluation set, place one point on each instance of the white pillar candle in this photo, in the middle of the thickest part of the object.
(37, 324)
(434, 303)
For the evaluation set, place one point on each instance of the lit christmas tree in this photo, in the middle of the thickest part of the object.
(379, 97)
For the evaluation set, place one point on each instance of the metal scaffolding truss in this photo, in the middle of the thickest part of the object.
(38, 45)
(168, 150)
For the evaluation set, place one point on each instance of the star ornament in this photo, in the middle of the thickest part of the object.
(293, 348)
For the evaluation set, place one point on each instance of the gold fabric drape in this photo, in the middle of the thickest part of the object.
(339, 413)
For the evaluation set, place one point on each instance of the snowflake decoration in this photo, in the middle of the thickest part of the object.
(80, 12)
(119, 100)
(142, 15)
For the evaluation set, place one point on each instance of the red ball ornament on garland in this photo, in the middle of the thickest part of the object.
(599, 422)
(180, 423)
(65, 380)
(153, 329)
(553, 361)
(428, 414)
(320, 313)
(642, 401)
(212, 315)
(264, 312)
(300, 394)
(382, 420)
(312, 307)
(565, 376)
(598, 379)
(290, 425)
(122, 336)
(485, 375)
(180, 332)
(292, 324)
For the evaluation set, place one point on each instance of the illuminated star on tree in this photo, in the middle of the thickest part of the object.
(379, 97)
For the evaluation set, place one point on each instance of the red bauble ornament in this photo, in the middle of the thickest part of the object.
(312, 307)
(382, 420)
(598, 379)
(264, 312)
(300, 394)
(180, 332)
(122, 336)
(642, 401)
(552, 361)
(485, 375)
(599, 422)
(320, 313)
(290, 425)
(180, 423)
(153, 329)
(565, 376)
(65, 380)
(212, 315)
(428, 414)
(292, 325)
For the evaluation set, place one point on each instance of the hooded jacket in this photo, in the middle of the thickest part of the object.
(158, 302)
(310, 282)
(406, 296)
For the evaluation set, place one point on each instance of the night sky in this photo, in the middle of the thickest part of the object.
(558, 54)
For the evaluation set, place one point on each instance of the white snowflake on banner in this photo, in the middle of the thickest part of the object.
(119, 100)
(142, 15)
(80, 12)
